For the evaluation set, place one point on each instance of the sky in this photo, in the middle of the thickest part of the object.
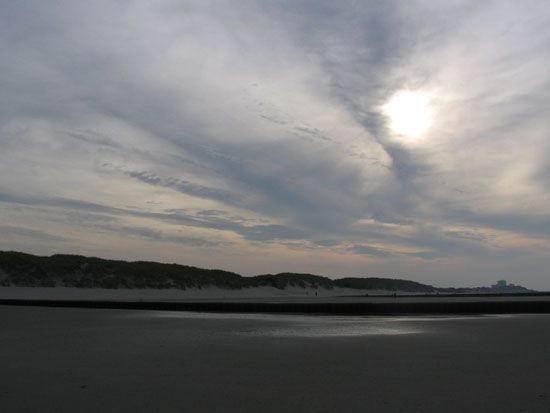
(403, 139)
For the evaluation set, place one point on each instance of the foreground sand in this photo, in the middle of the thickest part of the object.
(89, 360)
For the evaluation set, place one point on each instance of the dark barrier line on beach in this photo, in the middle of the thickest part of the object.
(453, 295)
(480, 307)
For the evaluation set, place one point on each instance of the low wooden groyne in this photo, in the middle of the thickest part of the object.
(337, 308)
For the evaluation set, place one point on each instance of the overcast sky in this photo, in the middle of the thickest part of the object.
(255, 136)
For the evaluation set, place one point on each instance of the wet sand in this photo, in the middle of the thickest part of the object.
(104, 360)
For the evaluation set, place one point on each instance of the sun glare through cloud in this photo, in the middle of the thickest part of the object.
(397, 137)
(410, 114)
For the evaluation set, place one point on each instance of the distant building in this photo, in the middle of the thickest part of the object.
(500, 284)
(503, 287)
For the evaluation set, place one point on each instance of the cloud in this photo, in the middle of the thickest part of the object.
(260, 124)
(183, 186)
(369, 250)
(201, 219)
(151, 234)
(30, 233)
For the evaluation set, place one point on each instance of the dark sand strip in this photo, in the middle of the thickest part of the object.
(481, 306)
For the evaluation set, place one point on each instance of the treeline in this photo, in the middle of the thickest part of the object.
(25, 270)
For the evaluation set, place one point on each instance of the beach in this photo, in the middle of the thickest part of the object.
(89, 360)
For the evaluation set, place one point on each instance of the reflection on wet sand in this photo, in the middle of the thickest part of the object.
(320, 326)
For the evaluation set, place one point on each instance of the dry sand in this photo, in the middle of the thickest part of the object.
(210, 293)
(261, 294)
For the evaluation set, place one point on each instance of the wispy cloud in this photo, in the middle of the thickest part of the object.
(261, 124)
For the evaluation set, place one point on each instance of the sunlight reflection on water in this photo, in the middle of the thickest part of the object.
(295, 325)
(286, 325)
(335, 330)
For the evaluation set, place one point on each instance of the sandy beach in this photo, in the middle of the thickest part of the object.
(272, 300)
(90, 360)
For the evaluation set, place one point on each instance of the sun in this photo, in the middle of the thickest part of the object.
(410, 114)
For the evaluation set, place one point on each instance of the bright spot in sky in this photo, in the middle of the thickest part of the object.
(410, 114)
